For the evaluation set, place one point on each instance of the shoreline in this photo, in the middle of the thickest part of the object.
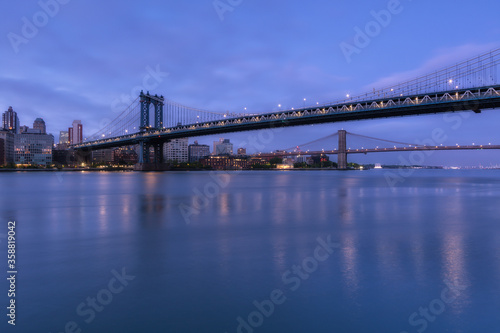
(229, 170)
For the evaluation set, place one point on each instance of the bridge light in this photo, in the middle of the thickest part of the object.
(450, 81)
(347, 95)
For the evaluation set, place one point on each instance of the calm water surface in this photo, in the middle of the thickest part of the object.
(205, 252)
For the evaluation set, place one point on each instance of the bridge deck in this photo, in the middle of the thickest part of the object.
(476, 99)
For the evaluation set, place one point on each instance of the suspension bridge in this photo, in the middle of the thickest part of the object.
(342, 151)
(471, 85)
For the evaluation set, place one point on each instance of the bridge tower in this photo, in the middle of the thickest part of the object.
(146, 144)
(158, 102)
(342, 154)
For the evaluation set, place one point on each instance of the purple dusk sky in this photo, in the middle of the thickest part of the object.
(72, 59)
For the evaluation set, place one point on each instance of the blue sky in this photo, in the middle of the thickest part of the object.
(87, 55)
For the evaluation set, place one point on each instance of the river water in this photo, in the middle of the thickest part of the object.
(292, 251)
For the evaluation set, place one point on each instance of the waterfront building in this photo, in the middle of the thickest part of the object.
(176, 150)
(10, 121)
(75, 133)
(39, 124)
(61, 155)
(197, 151)
(33, 148)
(301, 159)
(6, 147)
(225, 162)
(223, 147)
(103, 156)
(125, 155)
(284, 166)
(254, 160)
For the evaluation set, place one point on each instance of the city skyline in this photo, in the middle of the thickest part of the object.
(250, 166)
(245, 64)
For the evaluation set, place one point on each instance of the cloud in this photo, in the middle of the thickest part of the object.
(441, 59)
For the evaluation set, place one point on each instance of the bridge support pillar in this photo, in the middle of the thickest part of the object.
(148, 163)
(144, 152)
(342, 154)
(158, 153)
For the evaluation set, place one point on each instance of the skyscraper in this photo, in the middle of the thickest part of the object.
(39, 124)
(10, 120)
(75, 133)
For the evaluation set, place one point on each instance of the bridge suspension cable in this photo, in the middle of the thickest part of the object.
(390, 141)
(479, 71)
(315, 141)
(125, 123)
(176, 113)
(353, 134)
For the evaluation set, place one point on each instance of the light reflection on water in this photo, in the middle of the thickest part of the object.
(398, 246)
